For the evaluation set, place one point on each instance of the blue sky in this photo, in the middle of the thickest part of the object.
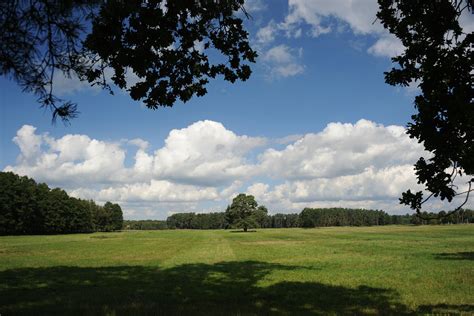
(316, 96)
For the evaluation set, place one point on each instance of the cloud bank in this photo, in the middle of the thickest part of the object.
(202, 166)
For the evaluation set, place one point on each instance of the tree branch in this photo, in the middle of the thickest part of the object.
(450, 212)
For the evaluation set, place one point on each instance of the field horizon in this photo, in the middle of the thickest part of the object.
(336, 270)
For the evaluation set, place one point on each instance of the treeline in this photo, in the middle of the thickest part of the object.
(463, 216)
(324, 217)
(29, 208)
(197, 221)
(360, 217)
(144, 224)
(309, 217)
(280, 221)
(218, 221)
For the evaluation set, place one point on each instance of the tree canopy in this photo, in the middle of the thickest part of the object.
(173, 48)
(243, 211)
(27, 207)
(439, 58)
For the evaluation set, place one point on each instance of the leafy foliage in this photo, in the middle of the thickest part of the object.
(30, 208)
(242, 212)
(159, 44)
(115, 215)
(39, 39)
(439, 57)
(173, 47)
(196, 221)
(342, 217)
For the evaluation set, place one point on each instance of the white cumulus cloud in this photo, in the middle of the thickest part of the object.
(359, 15)
(202, 166)
(71, 158)
(342, 149)
(387, 46)
(283, 61)
(315, 18)
(204, 153)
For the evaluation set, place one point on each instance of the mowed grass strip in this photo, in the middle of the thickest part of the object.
(345, 270)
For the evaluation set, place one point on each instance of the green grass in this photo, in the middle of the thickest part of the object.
(371, 270)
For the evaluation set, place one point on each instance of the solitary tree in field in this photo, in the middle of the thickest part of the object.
(241, 213)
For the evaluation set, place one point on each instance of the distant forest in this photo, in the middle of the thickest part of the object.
(308, 218)
(29, 208)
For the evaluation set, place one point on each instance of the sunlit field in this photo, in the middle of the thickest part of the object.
(370, 270)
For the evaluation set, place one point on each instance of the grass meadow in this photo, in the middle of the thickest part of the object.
(391, 270)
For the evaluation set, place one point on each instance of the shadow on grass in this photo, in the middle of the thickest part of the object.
(455, 256)
(227, 288)
(445, 309)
